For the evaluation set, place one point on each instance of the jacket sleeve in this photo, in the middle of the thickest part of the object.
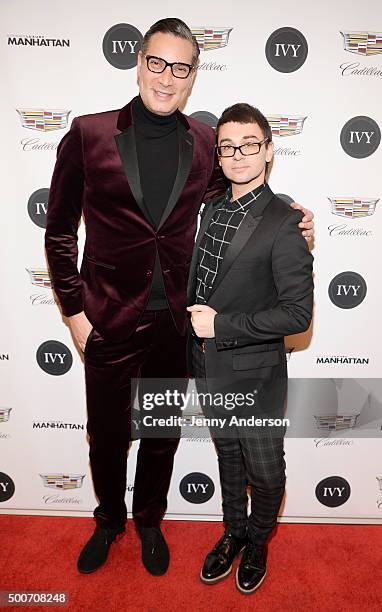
(63, 217)
(217, 184)
(292, 273)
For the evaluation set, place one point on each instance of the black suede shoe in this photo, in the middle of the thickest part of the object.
(155, 553)
(252, 569)
(95, 552)
(218, 562)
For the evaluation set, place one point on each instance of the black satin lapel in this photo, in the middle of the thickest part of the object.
(186, 149)
(128, 153)
(240, 239)
(203, 226)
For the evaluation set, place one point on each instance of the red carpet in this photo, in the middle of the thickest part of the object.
(310, 568)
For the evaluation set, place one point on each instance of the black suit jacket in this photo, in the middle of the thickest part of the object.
(263, 292)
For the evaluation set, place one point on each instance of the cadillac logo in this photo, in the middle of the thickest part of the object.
(63, 481)
(363, 43)
(282, 125)
(211, 38)
(4, 414)
(336, 422)
(353, 208)
(39, 277)
(43, 120)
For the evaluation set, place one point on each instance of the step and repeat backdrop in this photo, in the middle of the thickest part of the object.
(315, 70)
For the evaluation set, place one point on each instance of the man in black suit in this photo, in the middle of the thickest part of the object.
(250, 285)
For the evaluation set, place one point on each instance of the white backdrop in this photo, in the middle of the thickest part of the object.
(53, 60)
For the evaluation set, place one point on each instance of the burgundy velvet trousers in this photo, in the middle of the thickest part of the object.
(155, 350)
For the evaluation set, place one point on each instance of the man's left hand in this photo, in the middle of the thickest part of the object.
(202, 320)
(306, 224)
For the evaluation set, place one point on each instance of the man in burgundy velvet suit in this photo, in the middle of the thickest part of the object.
(138, 176)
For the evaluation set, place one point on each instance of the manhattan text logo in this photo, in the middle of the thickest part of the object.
(342, 359)
(196, 488)
(57, 425)
(31, 40)
(62, 481)
(121, 45)
(363, 43)
(43, 120)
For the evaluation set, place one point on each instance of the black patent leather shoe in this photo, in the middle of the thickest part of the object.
(155, 552)
(252, 569)
(218, 562)
(95, 552)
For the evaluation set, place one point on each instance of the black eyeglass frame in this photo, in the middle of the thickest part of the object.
(171, 64)
(261, 142)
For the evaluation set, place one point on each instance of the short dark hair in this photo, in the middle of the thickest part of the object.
(245, 113)
(176, 27)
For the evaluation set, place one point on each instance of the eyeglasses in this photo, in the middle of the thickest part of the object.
(178, 69)
(248, 148)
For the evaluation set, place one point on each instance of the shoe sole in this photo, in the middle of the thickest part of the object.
(248, 592)
(216, 580)
(90, 571)
(157, 573)
(118, 537)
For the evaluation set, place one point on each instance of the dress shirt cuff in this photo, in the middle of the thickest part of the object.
(221, 339)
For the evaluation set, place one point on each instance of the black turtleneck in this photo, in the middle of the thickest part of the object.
(157, 151)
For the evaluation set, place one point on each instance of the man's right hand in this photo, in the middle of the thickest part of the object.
(80, 327)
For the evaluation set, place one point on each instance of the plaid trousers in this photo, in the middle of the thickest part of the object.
(245, 460)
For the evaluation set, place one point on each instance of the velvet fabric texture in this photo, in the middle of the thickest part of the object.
(97, 175)
(155, 351)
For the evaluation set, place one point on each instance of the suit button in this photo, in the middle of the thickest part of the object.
(148, 273)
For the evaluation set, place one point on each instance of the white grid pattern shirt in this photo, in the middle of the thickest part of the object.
(218, 236)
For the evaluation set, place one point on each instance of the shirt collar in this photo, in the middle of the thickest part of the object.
(244, 201)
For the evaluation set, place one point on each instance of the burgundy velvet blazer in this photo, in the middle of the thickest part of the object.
(96, 175)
